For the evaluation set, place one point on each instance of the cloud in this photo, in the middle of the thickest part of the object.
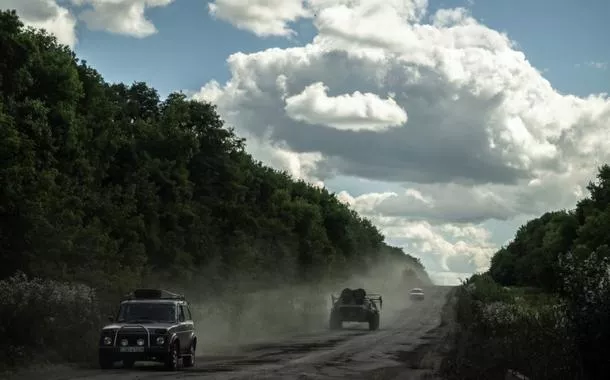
(448, 278)
(48, 15)
(457, 203)
(262, 17)
(431, 203)
(479, 113)
(597, 65)
(357, 111)
(444, 248)
(124, 17)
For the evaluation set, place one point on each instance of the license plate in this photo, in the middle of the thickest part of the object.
(131, 349)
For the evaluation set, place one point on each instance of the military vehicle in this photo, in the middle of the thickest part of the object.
(151, 325)
(355, 305)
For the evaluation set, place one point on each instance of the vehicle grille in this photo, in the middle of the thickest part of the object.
(132, 335)
(132, 339)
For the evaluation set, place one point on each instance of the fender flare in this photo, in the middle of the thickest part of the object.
(193, 337)
(172, 339)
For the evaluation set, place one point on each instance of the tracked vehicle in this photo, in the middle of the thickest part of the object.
(355, 305)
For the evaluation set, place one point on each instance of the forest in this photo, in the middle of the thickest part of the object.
(105, 187)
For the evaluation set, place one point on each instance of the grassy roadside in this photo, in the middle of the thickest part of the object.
(500, 328)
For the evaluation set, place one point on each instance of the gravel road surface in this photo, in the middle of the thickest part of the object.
(408, 345)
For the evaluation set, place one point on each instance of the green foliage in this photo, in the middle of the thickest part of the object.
(533, 257)
(499, 330)
(109, 186)
(587, 290)
(36, 316)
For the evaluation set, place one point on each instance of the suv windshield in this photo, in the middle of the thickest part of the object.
(144, 312)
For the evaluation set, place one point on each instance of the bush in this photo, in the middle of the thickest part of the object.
(59, 320)
(587, 289)
(496, 332)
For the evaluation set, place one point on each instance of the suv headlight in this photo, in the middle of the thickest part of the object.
(107, 340)
(160, 340)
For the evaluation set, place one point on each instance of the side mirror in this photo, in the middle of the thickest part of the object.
(111, 318)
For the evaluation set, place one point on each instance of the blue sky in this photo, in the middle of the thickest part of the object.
(191, 47)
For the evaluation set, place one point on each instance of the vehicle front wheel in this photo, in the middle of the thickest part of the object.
(189, 361)
(335, 322)
(105, 361)
(374, 322)
(171, 362)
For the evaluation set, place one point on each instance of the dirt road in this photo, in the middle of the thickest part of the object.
(408, 337)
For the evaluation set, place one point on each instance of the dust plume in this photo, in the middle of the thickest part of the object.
(241, 316)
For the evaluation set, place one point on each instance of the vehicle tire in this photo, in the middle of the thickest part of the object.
(105, 361)
(335, 322)
(374, 322)
(128, 363)
(171, 362)
(189, 361)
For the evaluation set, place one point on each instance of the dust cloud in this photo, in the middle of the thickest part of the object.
(242, 317)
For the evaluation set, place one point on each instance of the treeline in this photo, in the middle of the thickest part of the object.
(534, 257)
(108, 186)
(549, 290)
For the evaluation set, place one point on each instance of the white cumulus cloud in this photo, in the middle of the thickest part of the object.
(60, 18)
(261, 17)
(356, 111)
(45, 14)
(125, 17)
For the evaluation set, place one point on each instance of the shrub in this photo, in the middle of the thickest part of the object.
(587, 290)
(59, 320)
(496, 333)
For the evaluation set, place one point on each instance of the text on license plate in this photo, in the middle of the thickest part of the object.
(131, 349)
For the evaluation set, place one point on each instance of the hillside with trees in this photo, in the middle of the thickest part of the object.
(105, 187)
(544, 305)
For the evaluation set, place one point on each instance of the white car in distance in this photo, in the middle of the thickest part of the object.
(416, 294)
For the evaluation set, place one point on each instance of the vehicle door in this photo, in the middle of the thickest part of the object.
(185, 328)
(190, 323)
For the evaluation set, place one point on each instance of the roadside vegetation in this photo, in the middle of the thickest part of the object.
(106, 187)
(543, 308)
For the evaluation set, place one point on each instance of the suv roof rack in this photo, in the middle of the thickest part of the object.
(141, 294)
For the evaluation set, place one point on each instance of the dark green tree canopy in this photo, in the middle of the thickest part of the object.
(533, 257)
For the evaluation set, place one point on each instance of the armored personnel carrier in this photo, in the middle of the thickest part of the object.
(355, 305)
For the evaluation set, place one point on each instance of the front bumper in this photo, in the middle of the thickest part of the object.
(353, 314)
(134, 353)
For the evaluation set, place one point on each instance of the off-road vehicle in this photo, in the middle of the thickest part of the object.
(354, 305)
(151, 325)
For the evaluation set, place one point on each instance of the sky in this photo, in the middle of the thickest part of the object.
(447, 123)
